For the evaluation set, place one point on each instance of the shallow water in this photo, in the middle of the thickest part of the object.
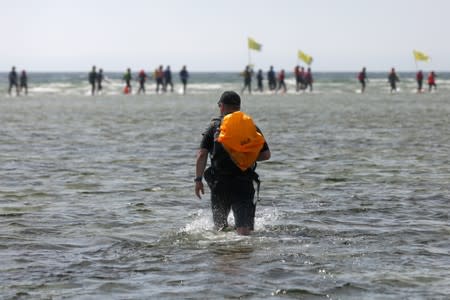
(96, 199)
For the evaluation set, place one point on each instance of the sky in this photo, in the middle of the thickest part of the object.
(211, 35)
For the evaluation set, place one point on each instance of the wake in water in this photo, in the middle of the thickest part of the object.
(203, 224)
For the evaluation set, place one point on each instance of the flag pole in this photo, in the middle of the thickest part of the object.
(415, 61)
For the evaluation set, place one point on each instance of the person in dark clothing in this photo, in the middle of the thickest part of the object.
(271, 79)
(92, 79)
(100, 78)
(231, 187)
(168, 79)
(184, 76)
(259, 80)
(393, 79)
(362, 77)
(24, 82)
(13, 81)
(142, 77)
(247, 74)
(309, 80)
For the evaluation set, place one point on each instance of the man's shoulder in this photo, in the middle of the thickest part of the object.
(212, 126)
(215, 121)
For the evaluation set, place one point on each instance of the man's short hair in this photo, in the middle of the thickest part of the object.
(230, 98)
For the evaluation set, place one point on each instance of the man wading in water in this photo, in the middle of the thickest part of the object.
(234, 144)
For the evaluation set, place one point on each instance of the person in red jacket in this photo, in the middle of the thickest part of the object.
(281, 83)
(431, 81)
(419, 79)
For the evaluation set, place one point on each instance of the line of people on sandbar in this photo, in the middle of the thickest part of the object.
(393, 79)
(162, 77)
(276, 82)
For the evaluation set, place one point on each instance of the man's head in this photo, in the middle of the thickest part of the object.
(229, 101)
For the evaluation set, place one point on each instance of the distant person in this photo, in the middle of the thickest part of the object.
(259, 80)
(281, 83)
(419, 80)
(127, 77)
(271, 79)
(24, 82)
(297, 78)
(432, 81)
(393, 79)
(309, 80)
(362, 77)
(168, 79)
(13, 81)
(100, 78)
(184, 76)
(302, 78)
(247, 74)
(92, 79)
(159, 78)
(142, 77)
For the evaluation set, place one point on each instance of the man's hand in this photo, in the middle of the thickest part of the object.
(199, 189)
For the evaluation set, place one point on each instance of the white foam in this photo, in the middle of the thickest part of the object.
(203, 220)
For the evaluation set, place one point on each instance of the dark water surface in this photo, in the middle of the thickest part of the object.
(96, 199)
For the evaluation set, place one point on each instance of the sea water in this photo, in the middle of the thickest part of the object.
(97, 195)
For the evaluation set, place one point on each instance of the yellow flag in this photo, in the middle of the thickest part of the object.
(420, 56)
(305, 57)
(252, 44)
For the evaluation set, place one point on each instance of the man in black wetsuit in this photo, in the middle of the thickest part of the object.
(362, 77)
(184, 76)
(92, 79)
(24, 82)
(231, 188)
(271, 78)
(393, 79)
(13, 81)
(247, 74)
(100, 78)
(168, 79)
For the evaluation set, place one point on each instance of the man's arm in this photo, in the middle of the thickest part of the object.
(200, 165)
(264, 155)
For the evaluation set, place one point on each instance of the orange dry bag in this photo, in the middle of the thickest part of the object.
(240, 139)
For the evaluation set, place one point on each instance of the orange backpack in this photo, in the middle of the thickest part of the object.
(241, 140)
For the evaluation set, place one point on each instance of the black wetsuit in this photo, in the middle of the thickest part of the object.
(259, 79)
(142, 77)
(13, 81)
(24, 82)
(92, 80)
(393, 78)
(184, 75)
(100, 78)
(168, 80)
(231, 188)
(247, 81)
(271, 80)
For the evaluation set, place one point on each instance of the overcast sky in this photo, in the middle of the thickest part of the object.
(211, 35)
